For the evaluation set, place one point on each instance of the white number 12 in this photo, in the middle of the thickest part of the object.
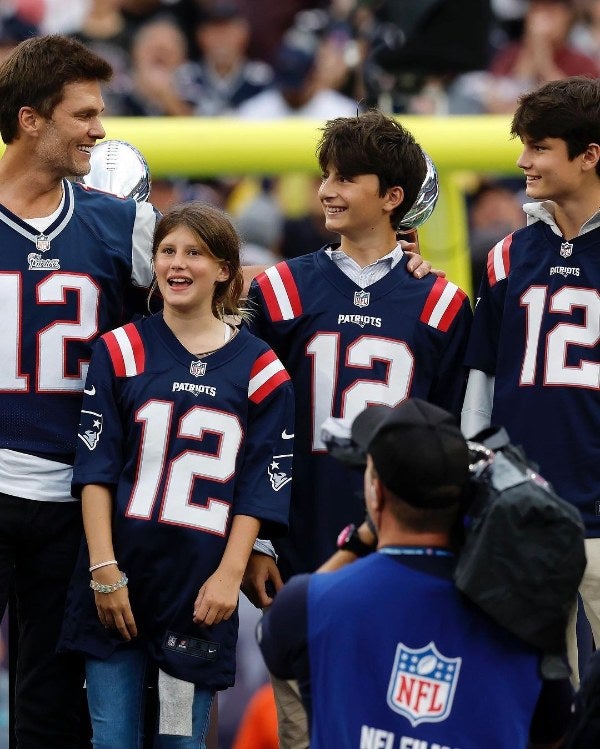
(182, 470)
(556, 371)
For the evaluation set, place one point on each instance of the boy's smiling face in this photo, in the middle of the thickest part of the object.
(353, 205)
(549, 173)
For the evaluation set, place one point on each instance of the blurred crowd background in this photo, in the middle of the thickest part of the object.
(269, 59)
(260, 59)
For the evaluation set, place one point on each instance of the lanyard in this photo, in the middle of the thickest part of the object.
(415, 551)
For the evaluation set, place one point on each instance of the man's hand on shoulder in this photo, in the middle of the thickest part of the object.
(417, 265)
(420, 267)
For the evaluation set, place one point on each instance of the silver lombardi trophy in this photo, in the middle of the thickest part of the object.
(426, 199)
(119, 168)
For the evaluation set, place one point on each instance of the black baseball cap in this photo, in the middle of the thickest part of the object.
(418, 450)
(219, 11)
(293, 65)
(14, 29)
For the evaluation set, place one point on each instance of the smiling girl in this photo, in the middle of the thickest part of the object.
(183, 457)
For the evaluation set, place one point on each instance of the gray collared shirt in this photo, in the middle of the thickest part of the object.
(544, 211)
(371, 273)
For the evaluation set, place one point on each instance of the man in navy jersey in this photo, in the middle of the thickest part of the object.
(386, 651)
(69, 257)
(534, 353)
(352, 327)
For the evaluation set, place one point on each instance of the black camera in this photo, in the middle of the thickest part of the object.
(337, 437)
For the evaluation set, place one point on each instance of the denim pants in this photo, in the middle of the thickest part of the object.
(116, 699)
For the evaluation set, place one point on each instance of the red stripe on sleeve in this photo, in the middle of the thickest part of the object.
(505, 259)
(137, 345)
(433, 298)
(114, 351)
(269, 386)
(506, 253)
(290, 287)
(448, 317)
(263, 361)
(490, 267)
(273, 307)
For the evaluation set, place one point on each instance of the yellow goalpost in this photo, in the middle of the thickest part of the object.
(209, 147)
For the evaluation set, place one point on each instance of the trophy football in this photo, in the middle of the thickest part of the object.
(119, 168)
(426, 199)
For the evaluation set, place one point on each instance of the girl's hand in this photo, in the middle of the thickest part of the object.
(114, 609)
(217, 598)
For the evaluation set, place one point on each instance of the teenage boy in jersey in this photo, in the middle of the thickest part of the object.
(69, 258)
(387, 652)
(534, 351)
(352, 327)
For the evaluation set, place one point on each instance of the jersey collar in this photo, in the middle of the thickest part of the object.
(544, 211)
(55, 228)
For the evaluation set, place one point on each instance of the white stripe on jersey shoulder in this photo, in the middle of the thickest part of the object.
(441, 306)
(264, 375)
(499, 259)
(280, 291)
(126, 350)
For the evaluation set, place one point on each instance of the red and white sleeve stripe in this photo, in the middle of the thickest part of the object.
(443, 304)
(126, 350)
(280, 292)
(266, 375)
(498, 264)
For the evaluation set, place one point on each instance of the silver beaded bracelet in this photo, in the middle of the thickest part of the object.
(102, 588)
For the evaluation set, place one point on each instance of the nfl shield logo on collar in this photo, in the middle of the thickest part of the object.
(566, 249)
(361, 298)
(198, 368)
(42, 243)
(422, 684)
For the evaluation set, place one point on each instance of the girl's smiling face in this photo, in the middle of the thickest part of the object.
(187, 272)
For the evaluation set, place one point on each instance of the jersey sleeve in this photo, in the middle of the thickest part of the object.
(136, 300)
(482, 349)
(448, 389)
(98, 457)
(477, 407)
(146, 217)
(275, 305)
(264, 481)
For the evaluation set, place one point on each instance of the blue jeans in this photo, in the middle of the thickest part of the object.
(116, 699)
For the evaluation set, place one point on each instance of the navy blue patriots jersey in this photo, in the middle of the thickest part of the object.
(346, 348)
(186, 444)
(537, 330)
(59, 290)
(398, 658)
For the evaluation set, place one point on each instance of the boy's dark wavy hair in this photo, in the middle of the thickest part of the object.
(568, 109)
(373, 143)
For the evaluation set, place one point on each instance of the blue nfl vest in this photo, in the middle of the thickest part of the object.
(399, 660)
